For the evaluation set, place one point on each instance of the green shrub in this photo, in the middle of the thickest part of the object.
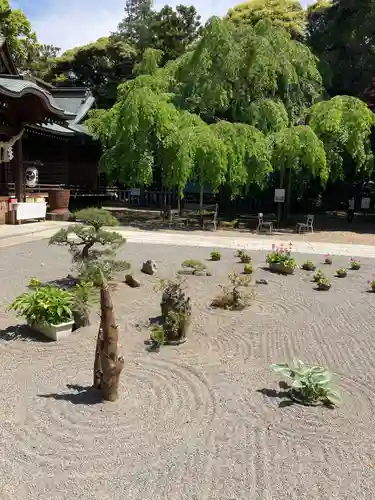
(215, 255)
(311, 384)
(342, 272)
(308, 265)
(197, 265)
(248, 269)
(355, 264)
(318, 275)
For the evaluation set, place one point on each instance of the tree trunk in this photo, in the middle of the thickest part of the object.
(108, 365)
(279, 205)
(201, 198)
(288, 195)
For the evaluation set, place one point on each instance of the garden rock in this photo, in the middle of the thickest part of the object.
(131, 281)
(149, 267)
(261, 282)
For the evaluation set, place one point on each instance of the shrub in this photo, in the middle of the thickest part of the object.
(342, 272)
(215, 255)
(175, 310)
(157, 337)
(34, 283)
(354, 264)
(308, 265)
(371, 282)
(318, 275)
(84, 296)
(244, 257)
(197, 265)
(89, 260)
(248, 269)
(310, 385)
(328, 259)
(324, 283)
(45, 305)
(232, 297)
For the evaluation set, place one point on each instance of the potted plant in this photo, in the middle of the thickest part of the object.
(354, 264)
(308, 265)
(311, 384)
(215, 255)
(341, 273)
(318, 275)
(324, 283)
(84, 295)
(327, 259)
(47, 310)
(280, 260)
(371, 282)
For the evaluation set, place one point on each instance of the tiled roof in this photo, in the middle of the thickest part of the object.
(16, 87)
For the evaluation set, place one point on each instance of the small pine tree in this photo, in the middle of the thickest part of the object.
(84, 239)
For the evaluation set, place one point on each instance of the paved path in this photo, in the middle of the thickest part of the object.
(15, 235)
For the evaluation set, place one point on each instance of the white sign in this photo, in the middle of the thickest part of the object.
(135, 192)
(279, 195)
(365, 203)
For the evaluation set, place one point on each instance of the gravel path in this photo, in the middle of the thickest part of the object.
(191, 423)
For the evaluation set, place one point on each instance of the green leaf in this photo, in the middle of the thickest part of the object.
(333, 397)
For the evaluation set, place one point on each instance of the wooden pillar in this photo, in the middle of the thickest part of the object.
(19, 173)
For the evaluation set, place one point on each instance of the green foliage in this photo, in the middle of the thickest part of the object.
(232, 297)
(34, 283)
(354, 264)
(299, 149)
(45, 305)
(281, 256)
(84, 295)
(311, 384)
(342, 272)
(323, 283)
(16, 29)
(248, 269)
(244, 257)
(341, 33)
(215, 255)
(308, 265)
(232, 67)
(344, 126)
(318, 275)
(197, 265)
(149, 63)
(157, 335)
(83, 241)
(100, 66)
(288, 14)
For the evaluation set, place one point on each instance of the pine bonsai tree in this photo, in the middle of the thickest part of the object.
(84, 242)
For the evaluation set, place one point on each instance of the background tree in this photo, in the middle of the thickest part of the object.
(344, 124)
(16, 28)
(342, 34)
(288, 14)
(99, 66)
(134, 28)
(174, 30)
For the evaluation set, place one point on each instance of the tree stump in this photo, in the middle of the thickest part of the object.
(107, 365)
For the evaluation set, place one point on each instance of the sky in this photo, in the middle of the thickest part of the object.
(69, 23)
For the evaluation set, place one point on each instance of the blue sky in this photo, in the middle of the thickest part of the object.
(68, 23)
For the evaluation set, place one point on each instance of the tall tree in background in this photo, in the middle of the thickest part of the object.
(16, 28)
(135, 26)
(287, 14)
(99, 66)
(342, 34)
(173, 31)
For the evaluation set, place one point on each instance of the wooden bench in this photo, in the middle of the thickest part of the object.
(206, 214)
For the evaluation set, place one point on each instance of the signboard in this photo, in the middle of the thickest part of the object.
(365, 203)
(279, 195)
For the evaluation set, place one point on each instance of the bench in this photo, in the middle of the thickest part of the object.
(206, 214)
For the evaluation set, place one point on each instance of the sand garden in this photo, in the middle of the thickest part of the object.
(203, 420)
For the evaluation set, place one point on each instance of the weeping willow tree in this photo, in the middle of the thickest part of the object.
(233, 67)
(344, 125)
(297, 149)
(226, 113)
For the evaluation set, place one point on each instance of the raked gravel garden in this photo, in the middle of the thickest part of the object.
(209, 418)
